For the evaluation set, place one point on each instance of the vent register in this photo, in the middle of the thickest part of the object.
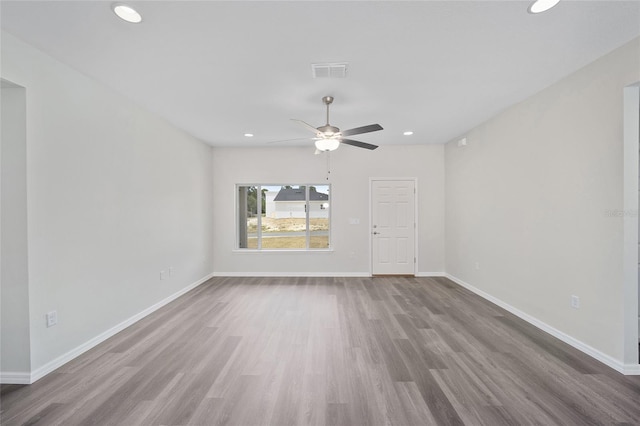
(329, 70)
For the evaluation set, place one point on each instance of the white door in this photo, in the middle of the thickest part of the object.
(393, 227)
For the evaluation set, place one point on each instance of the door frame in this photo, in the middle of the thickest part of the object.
(631, 266)
(415, 219)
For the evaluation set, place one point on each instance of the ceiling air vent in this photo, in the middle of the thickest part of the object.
(329, 70)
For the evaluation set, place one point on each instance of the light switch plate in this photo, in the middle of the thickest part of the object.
(52, 318)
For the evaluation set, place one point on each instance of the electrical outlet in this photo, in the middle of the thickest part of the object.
(575, 302)
(170, 271)
(477, 266)
(52, 318)
(163, 275)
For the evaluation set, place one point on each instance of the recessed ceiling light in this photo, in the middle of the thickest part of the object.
(249, 135)
(542, 5)
(408, 133)
(127, 13)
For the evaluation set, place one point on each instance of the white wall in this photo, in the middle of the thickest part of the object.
(528, 199)
(351, 169)
(14, 290)
(270, 205)
(114, 195)
(285, 209)
(297, 209)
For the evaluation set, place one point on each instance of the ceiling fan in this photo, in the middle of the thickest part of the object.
(329, 138)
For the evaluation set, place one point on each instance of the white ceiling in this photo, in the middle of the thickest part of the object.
(221, 69)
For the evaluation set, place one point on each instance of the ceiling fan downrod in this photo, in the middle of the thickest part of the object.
(327, 101)
(328, 131)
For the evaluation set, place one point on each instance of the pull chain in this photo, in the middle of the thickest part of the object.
(328, 164)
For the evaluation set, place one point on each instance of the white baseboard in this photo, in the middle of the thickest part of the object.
(627, 369)
(313, 274)
(15, 377)
(292, 274)
(430, 274)
(63, 359)
(631, 370)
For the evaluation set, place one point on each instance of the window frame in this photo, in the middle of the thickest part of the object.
(259, 206)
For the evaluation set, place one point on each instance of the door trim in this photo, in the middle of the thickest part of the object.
(415, 218)
(631, 265)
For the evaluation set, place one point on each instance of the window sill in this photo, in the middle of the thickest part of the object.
(280, 251)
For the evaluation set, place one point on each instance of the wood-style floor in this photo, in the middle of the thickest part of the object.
(328, 351)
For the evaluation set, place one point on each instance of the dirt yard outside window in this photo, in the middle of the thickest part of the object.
(270, 224)
(288, 233)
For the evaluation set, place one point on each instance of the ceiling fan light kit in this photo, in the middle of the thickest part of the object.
(327, 144)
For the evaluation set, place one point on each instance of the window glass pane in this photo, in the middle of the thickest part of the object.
(247, 217)
(319, 206)
(285, 222)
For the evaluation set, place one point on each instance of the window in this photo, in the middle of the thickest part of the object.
(283, 217)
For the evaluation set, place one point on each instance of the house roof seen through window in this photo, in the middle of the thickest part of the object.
(297, 194)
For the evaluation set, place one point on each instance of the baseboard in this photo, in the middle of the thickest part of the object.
(430, 274)
(627, 369)
(292, 274)
(314, 274)
(631, 370)
(74, 353)
(15, 378)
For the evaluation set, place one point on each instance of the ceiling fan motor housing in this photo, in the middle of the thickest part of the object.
(328, 131)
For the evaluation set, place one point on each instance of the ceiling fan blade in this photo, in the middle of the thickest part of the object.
(363, 129)
(358, 144)
(307, 125)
